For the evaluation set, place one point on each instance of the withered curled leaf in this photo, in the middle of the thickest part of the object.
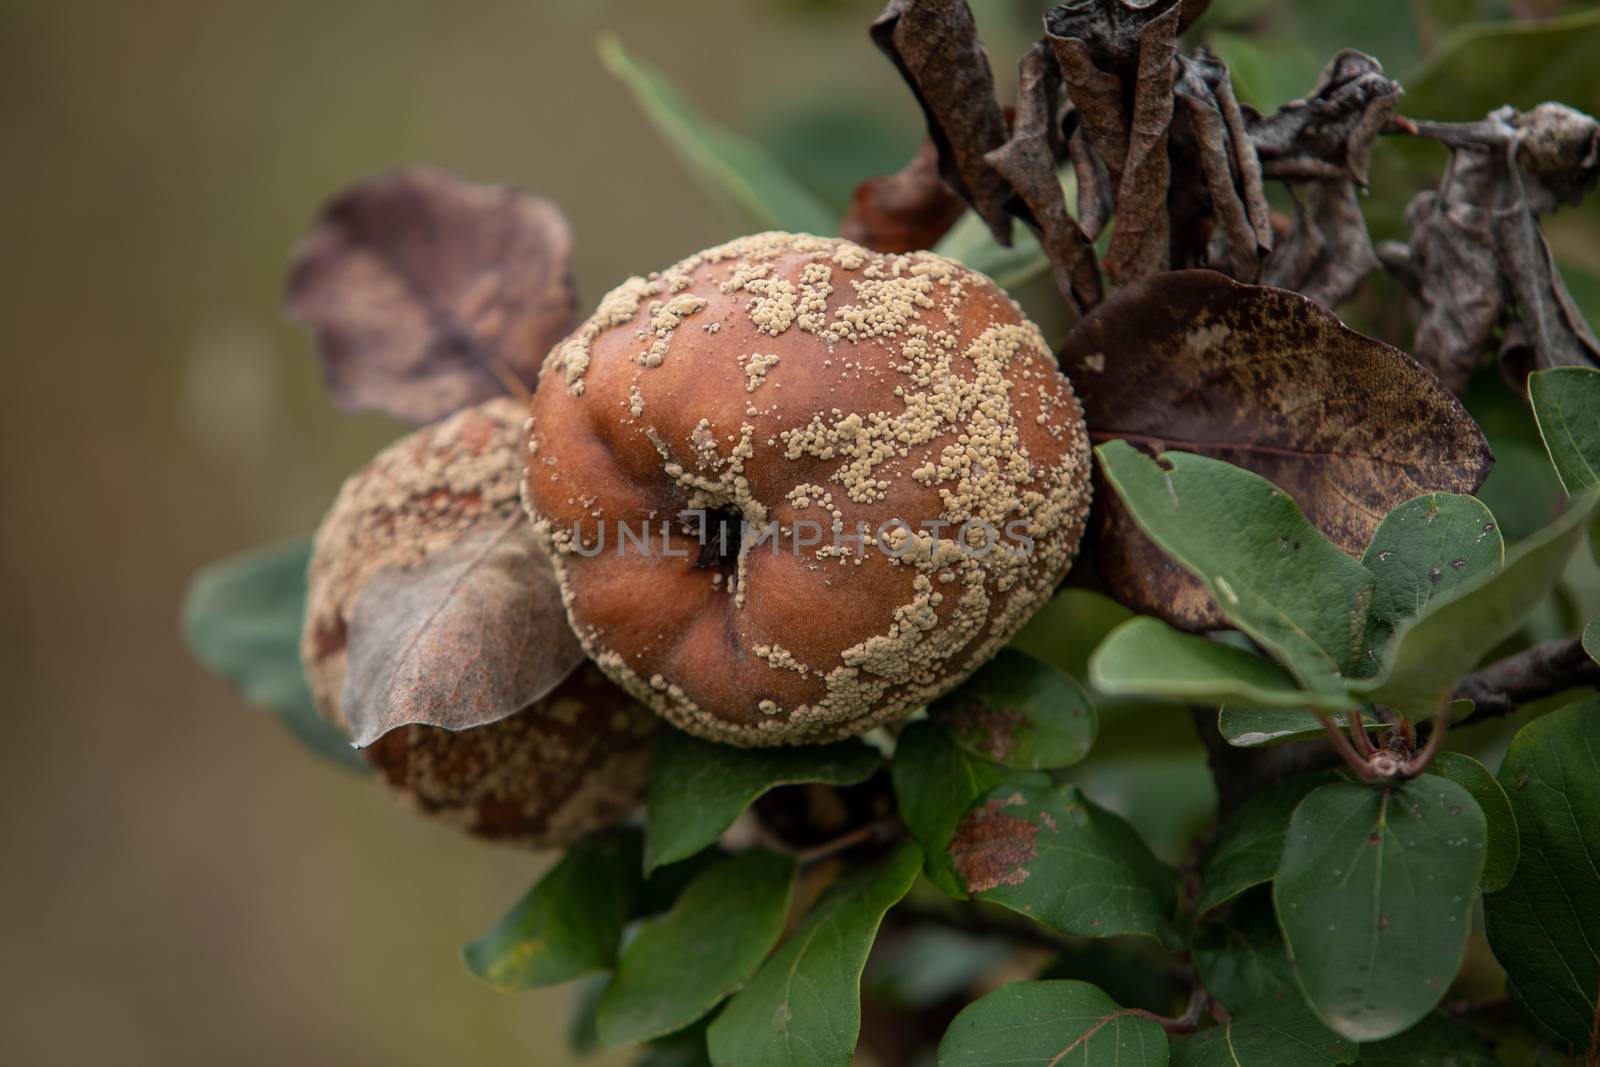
(1117, 59)
(1028, 163)
(935, 45)
(1477, 261)
(468, 637)
(428, 293)
(905, 211)
(1242, 229)
(1328, 252)
(1325, 141)
(1330, 133)
(1268, 380)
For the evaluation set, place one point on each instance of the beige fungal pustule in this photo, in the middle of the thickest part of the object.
(839, 416)
(568, 764)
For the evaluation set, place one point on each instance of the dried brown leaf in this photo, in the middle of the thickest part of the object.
(428, 293)
(1027, 161)
(1117, 60)
(1241, 231)
(1328, 253)
(905, 211)
(1477, 261)
(1329, 134)
(935, 45)
(470, 636)
(1095, 199)
(1271, 381)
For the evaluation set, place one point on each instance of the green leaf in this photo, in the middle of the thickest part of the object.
(935, 782)
(686, 1048)
(1425, 550)
(1271, 573)
(1566, 404)
(684, 963)
(1591, 639)
(242, 619)
(568, 925)
(698, 788)
(1266, 1034)
(1450, 637)
(1482, 66)
(1252, 727)
(1020, 712)
(804, 1005)
(1504, 846)
(1247, 847)
(1374, 895)
(1047, 1024)
(1246, 727)
(1242, 958)
(1052, 855)
(1437, 1041)
(971, 242)
(1147, 657)
(729, 167)
(1544, 926)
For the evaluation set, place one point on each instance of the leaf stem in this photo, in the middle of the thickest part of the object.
(879, 830)
(1182, 1024)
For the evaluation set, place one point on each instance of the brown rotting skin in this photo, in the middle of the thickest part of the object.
(568, 764)
(891, 387)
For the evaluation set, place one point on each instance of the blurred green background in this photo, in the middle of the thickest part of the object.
(183, 884)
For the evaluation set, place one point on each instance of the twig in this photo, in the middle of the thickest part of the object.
(878, 830)
(1470, 1007)
(1532, 674)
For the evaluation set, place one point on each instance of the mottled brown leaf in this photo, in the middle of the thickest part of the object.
(428, 293)
(935, 45)
(1027, 161)
(1268, 380)
(470, 636)
(905, 211)
(1477, 261)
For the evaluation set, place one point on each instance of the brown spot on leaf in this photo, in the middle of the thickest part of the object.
(992, 846)
(990, 730)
